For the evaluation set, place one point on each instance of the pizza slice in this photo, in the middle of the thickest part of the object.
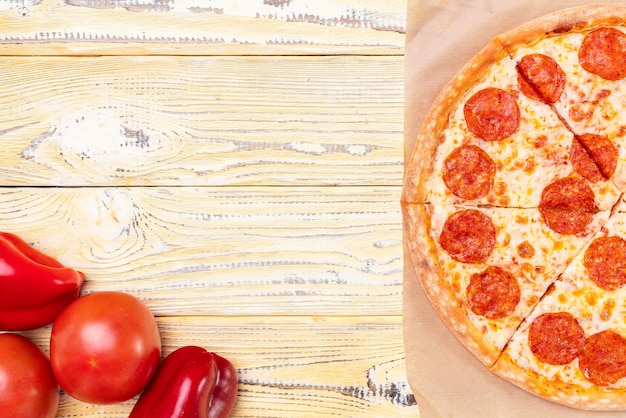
(488, 143)
(485, 268)
(572, 348)
(581, 74)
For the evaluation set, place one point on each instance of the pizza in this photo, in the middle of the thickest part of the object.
(514, 206)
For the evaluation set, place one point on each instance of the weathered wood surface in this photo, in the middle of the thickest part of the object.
(201, 120)
(224, 251)
(237, 165)
(196, 27)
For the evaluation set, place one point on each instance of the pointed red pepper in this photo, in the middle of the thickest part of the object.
(191, 382)
(34, 287)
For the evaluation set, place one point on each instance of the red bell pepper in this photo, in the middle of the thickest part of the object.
(34, 287)
(191, 382)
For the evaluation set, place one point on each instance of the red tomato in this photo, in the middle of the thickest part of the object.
(27, 385)
(105, 347)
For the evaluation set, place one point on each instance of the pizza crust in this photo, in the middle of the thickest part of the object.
(420, 164)
(592, 398)
(428, 269)
(575, 19)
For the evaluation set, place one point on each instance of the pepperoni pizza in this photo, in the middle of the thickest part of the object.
(514, 206)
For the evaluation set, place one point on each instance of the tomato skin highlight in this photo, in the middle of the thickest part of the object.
(105, 347)
(27, 386)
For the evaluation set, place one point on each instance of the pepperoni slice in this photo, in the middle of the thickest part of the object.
(605, 260)
(603, 52)
(567, 205)
(468, 236)
(493, 293)
(603, 358)
(540, 77)
(594, 157)
(556, 338)
(492, 114)
(469, 172)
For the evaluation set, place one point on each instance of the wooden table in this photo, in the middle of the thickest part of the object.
(237, 165)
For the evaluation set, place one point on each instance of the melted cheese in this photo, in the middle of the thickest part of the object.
(526, 162)
(535, 272)
(595, 309)
(589, 103)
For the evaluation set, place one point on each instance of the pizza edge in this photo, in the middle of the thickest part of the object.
(420, 165)
(574, 19)
(426, 264)
(592, 398)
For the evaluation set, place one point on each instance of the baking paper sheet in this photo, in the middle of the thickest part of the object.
(447, 381)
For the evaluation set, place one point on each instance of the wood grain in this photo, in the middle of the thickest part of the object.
(295, 366)
(201, 121)
(216, 251)
(193, 27)
(235, 164)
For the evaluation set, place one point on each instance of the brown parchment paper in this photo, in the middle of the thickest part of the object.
(447, 381)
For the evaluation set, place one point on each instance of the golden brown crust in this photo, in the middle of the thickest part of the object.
(591, 397)
(425, 260)
(420, 164)
(575, 19)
